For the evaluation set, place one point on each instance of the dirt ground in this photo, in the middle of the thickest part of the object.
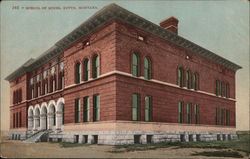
(19, 149)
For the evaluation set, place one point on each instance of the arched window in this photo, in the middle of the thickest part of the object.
(196, 81)
(188, 79)
(86, 70)
(147, 68)
(180, 76)
(77, 73)
(135, 65)
(96, 67)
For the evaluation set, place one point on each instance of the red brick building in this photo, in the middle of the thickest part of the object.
(120, 79)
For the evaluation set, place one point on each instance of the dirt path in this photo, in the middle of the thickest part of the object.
(18, 149)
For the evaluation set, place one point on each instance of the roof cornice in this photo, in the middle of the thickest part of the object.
(105, 15)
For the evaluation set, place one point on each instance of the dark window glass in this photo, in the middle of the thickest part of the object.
(196, 81)
(77, 73)
(86, 109)
(77, 110)
(196, 114)
(188, 79)
(135, 107)
(96, 107)
(86, 69)
(135, 65)
(96, 69)
(227, 90)
(180, 76)
(180, 112)
(148, 108)
(217, 89)
(147, 68)
(189, 113)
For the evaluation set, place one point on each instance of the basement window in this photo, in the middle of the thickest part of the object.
(182, 137)
(137, 139)
(76, 138)
(224, 137)
(85, 139)
(149, 139)
(218, 137)
(95, 139)
(190, 138)
(198, 137)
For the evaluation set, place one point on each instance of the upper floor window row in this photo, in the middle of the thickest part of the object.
(135, 66)
(82, 71)
(192, 113)
(45, 74)
(186, 78)
(222, 89)
(17, 96)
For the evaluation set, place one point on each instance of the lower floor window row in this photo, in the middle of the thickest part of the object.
(222, 116)
(86, 109)
(191, 115)
(136, 104)
(17, 120)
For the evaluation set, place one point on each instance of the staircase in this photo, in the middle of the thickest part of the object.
(38, 136)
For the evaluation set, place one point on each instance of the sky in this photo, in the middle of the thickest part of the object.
(219, 26)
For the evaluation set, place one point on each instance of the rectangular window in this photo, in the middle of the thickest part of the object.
(135, 107)
(180, 112)
(77, 110)
(189, 113)
(96, 103)
(196, 114)
(86, 109)
(14, 120)
(217, 116)
(222, 117)
(228, 117)
(148, 108)
(17, 118)
(20, 119)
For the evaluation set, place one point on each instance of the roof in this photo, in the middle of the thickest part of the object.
(105, 15)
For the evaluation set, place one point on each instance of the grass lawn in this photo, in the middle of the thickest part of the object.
(243, 145)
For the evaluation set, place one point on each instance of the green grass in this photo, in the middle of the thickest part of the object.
(234, 154)
(67, 144)
(243, 145)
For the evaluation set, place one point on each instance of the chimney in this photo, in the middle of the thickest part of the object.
(170, 24)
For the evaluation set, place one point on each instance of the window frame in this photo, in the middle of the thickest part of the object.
(86, 109)
(96, 108)
(135, 67)
(180, 112)
(77, 110)
(77, 72)
(96, 66)
(136, 107)
(147, 68)
(148, 108)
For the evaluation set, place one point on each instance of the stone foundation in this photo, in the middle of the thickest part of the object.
(129, 132)
(127, 137)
